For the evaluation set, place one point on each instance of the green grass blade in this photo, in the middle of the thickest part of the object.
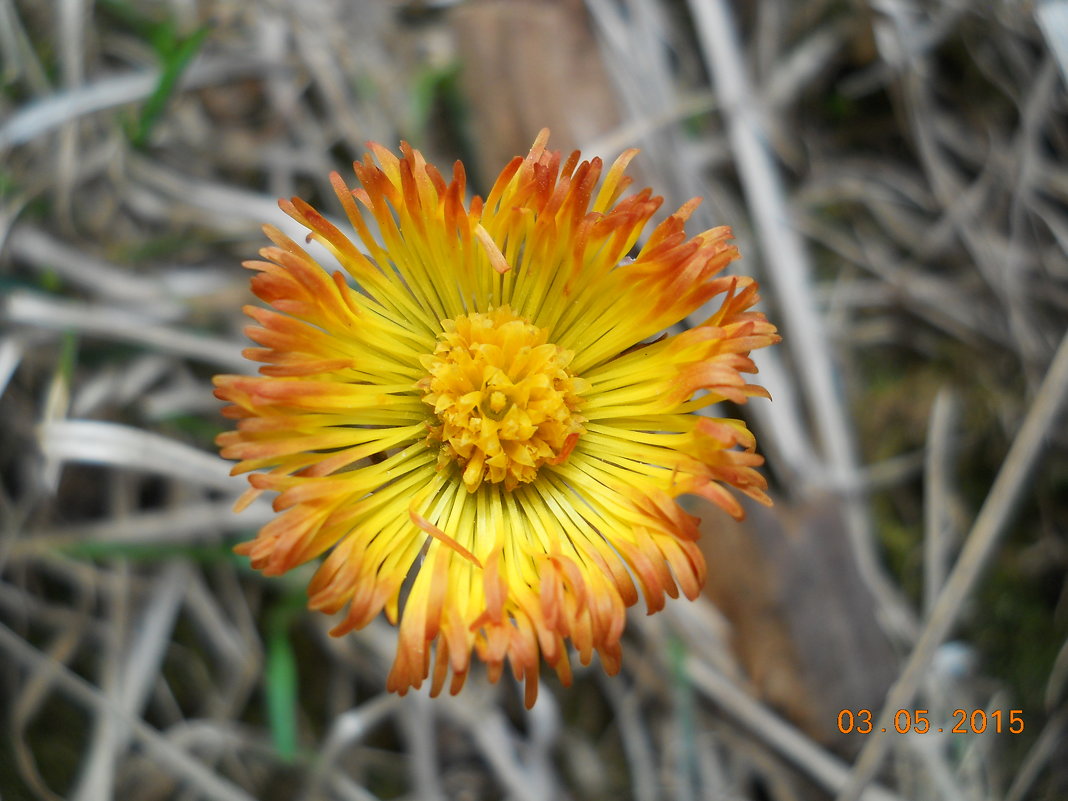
(281, 684)
(175, 61)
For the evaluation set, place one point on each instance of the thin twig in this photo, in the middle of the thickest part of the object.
(418, 725)
(1049, 742)
(826, 770)
(936, 539)
(45, 252)
(48, 114)
(178, 762)
(788, 271)
(637, 740)
(137, 673)
(190, 523)
(119, 323)
(97, 442)
(978, 549)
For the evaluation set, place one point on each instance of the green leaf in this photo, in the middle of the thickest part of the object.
(175, 55)
(130, 16)
(68, 356)
(281, 683)
(139, 552)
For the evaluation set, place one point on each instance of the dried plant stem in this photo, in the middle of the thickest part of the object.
(139, 667)
(418, 725)
(55, 110)
(788, 271)
(937, 490)
(1042, 753)
(980, 546)
(826, 770)
(166, 754)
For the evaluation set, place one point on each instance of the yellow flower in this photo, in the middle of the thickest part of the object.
(481, 424)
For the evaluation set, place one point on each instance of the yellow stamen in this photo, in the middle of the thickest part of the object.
(504, 399)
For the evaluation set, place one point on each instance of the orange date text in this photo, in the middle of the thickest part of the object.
(963, 721)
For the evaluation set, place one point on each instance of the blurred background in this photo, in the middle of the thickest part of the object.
(895, 172)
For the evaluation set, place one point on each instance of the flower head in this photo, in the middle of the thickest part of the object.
(484, 403)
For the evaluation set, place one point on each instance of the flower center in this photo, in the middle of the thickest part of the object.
(504, 398)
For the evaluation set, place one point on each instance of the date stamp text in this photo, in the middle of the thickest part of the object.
(964, 721)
